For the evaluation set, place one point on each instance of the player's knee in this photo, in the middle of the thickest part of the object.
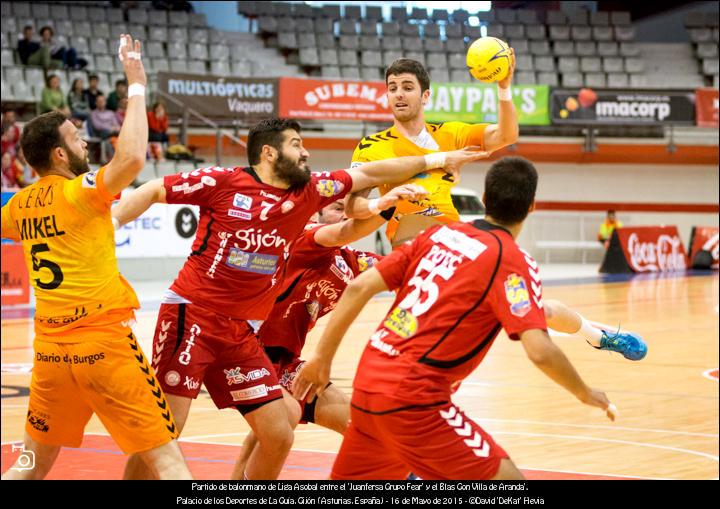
(549, 306)
(508, 472)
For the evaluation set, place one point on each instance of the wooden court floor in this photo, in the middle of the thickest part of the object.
(667, 429)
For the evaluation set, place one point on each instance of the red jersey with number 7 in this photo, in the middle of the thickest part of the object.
(245, 230)
(459, 284)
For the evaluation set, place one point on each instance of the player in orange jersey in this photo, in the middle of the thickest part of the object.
(87, 359)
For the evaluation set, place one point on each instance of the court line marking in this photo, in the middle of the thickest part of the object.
(611, 440)
(599, 426)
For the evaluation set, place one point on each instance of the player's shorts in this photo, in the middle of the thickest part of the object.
(112, 378)
(287, 365)
(193, 345)
(436, 441)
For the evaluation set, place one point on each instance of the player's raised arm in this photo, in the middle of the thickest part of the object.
(380, 210)
(315, 373)
(506, 131)
(399, 169)
(134, 204)
(132, 142)
(552, 361)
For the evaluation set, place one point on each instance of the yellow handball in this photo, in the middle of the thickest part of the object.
(488, 59)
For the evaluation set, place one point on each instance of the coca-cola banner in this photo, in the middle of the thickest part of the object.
(245, 99)
(334, 100)
(645, 249)
(706, 107)
(622, 107)
(704, 247)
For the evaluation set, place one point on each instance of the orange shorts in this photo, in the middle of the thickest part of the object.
(111, 378)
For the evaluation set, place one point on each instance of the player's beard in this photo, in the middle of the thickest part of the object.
(291, 171)
(77, 165)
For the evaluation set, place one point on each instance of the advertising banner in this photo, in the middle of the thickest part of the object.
(645, 249)
(478, 103)
(704, 247)
(333, 100)
(706, 107)
(15, 281)
(622, 107)
(162, 231)
(247, 99)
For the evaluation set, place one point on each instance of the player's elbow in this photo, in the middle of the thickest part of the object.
(133, 163)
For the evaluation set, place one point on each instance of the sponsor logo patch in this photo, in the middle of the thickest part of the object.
(328, 188)
(401, 322)
(516, 293)
(257, 263)
(172, 378)
(259, 391)
(90, 180)
(235, 376)
(247, 216)
(242, 202)
(38, 422)
(191, 384)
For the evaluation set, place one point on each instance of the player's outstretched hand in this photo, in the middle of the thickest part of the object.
(599, 399)
(409, 192)
(456, 159)
(130, 55)
(505, 83)
(312, 379)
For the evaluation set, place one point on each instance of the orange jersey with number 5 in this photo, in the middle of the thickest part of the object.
(68, 239)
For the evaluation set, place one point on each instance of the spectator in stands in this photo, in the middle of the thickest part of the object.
(11, 171)
(77, 100)
(121, 87)
(157, 130)
(10, 133)
(52, 98)
(121, 110)
(606, 229)
(92, 92)
(28, 48)
(27, 175)
(104, 122)
(53, 52)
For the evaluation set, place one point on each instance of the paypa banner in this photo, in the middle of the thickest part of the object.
(246, 99)
(622, 107)
(476, 103)
(333, 100)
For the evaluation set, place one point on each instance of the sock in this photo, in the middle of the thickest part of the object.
(591, 334)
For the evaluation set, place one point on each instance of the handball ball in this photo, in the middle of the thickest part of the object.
(488, 59)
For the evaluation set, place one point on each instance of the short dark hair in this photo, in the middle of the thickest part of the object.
(121, 82)
(267, 132)
(49, 78)
(52, 32)
(409, 66)
(93, 77)
(39, 137)
(28, 27)
(510, 187)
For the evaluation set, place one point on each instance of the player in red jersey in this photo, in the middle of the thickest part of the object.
(205, 331)
(320, 266)
(459, 284)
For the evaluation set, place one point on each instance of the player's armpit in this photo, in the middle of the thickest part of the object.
(132, 205)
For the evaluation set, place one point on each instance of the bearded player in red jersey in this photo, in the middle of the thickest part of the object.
(319, 268)
(206, 326)
(459, 284)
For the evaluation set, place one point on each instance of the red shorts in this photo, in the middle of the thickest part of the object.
(433, 442)
(193, 345)
(287, 365)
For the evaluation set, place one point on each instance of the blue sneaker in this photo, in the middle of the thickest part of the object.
(630, 345)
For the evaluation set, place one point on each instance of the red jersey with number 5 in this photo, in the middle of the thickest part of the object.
(459, 284)
(245, 230)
